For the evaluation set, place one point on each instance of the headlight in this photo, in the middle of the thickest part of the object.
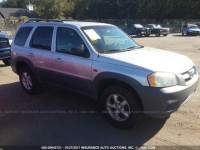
(161, 79)
(10, 42)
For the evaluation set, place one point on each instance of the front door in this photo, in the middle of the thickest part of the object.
(72, 60)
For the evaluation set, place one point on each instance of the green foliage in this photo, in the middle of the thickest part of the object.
(53, 9)
(24, 17)
(138, 9)
(12, 18)
(16, 18)
(112, 9)
(48, 9)
(14, 3)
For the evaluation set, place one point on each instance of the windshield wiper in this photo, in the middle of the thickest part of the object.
(135, 47)
(115, 50)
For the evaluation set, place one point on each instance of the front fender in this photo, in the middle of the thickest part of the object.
(112, 76)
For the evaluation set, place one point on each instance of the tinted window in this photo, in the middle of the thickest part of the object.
(69, 42)
(42, 38)
(107, 39)
(22, 35)
(130, 26)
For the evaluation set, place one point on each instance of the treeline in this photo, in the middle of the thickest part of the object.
(112, 9)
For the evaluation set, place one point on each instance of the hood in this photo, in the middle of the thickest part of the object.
(141, 28)
(3, 35)
(150, 59)
(193, 29)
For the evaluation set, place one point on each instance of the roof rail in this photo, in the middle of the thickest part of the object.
(47, 20)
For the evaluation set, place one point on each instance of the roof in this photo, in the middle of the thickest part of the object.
(81, 24)
(75, 23)
(191, 24)
(17, 12)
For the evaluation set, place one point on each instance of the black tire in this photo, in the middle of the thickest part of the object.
(147, 35)
(157, 34)
(6, 62)
(182, 33)
(133, 103)
(165, 34)
(36, 87)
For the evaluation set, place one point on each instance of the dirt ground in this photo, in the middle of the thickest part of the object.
(181, 129)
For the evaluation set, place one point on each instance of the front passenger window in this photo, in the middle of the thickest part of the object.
(68, 41)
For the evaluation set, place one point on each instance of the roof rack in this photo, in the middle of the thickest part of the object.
(47, 20)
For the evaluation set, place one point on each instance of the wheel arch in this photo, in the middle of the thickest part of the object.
(112, 79)
(23, 62)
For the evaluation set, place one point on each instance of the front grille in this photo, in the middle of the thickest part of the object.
(188, 75)
(165, 30)
(4, 42)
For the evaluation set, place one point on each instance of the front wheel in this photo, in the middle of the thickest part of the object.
(6, 62)
(28, 81)
(165, 34)
(121, 107)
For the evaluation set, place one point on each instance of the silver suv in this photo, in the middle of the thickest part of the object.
(103, 62)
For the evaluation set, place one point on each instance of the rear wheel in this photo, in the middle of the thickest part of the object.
(6, 62)
(147, 35)
(164, 34)
(182, 33)
(28, 81)
(121, 107)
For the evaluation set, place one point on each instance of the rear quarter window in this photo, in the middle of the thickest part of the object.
(22, 35)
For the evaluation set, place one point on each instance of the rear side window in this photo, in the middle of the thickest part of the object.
(42, 38)
(22, 35)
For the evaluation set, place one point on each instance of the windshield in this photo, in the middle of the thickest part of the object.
(193, 27)
(107, 39)
(138, 26)
(157, 26)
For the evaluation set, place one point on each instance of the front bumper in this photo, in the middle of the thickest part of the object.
(164, 33)
(193, 33)
(161, 102)
(4, 53)
(145, 32)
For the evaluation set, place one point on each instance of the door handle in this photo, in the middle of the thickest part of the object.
(31, 54)
(58, 60)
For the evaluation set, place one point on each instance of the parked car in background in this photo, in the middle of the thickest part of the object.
(101, 61)
(158, 30)
(190, 29)
(5, 43)
(137, 29)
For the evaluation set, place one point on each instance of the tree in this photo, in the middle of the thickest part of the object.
(14, 3)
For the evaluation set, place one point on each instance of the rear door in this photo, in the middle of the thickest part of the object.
(72, 60)
(40, 51)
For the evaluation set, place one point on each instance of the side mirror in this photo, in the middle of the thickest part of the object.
(79, 51)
